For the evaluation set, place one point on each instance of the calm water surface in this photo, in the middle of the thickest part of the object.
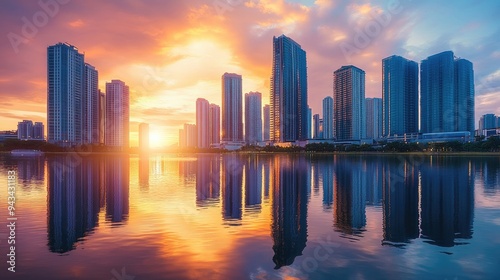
(254, 217)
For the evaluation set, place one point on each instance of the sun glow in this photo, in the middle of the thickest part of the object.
(156, 139)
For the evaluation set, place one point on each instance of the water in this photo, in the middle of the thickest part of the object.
(254, 217)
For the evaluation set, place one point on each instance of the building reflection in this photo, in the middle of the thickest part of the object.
(207, 180)
(350, 196)
(289, 209)
(400, 201)
(447, 201)
(74, 200)
(232, 180)
(488, 170)
(144, 171)
(374, 178)
(327, 178)
(187, 171)
(253, 184)
(117, 188)
(31, 168)
(266, 165)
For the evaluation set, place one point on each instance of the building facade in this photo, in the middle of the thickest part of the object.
(117, 115)
(90, 106)
(232, 110)
(65, 78)
(253, 118)
(328, 118)
(349, 103)
(447, 94)
(399, 96)
(267, 123)
(288, 91)
(373, 118)
(214, 124)
(202, 123)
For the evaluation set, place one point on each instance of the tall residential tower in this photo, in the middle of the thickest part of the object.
(349, 102)
(232, 113)
(399, 96)
(289, 109)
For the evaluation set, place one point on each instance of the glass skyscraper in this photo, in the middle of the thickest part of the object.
(447, 94)
(65, 78)
(349, 102)
(253, 118)
(328, 118)
(373, 118)
(90, 106)
(399, 96)
(289, 109)
(232, 113)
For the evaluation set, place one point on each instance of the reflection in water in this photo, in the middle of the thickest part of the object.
(433, 198)
(253, 184)
(447, 195)
(289, 209)
(117, 188)
(327, 178)
(144, 172)
(350, 195)
(400, 195)
(207, 180)
(374, 178)
(30, 168)
(76, 193)
(232, 179)
(488, 170)
(73, 201)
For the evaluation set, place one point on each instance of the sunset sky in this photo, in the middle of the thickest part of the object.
(172, 52)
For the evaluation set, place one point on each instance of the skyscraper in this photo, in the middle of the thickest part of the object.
(328, 118)
(90, 106)
(267, 122)
(65, 76)
(143, 137)
(447, 94)
(399, 95)
(102, 116)
(117, 114)
(214, 124)
(464, 95)
(202, 123)
(349, 102)
(232, 113)
(288, 91)
(373, 118)
(253, 118)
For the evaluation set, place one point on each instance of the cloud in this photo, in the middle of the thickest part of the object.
(171, 52)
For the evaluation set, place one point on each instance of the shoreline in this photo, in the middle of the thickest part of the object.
(489, 154)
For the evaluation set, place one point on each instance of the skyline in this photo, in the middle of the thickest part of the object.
(175, 58)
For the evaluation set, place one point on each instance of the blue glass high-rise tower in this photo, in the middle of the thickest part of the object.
(447, 94)
(289, 109)
(399, 96)
(65, 78)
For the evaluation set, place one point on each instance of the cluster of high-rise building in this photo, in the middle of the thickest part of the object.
(78, 113)
(206, 133)
(26, 130)
(446, 103)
